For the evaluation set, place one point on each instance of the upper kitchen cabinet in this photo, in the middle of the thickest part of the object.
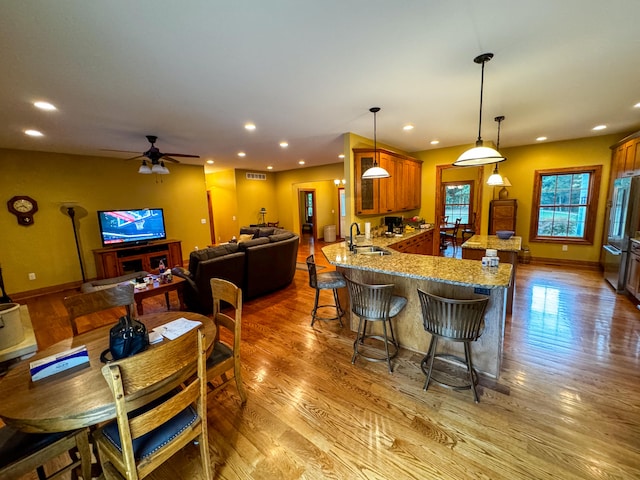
(398, 193)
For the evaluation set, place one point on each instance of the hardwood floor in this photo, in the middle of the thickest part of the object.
(566, 406)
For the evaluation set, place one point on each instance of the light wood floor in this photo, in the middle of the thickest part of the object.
(566, 406)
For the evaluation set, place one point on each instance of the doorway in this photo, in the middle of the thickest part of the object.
(342, 212)
(307, 205)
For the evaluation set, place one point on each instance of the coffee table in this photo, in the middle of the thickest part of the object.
(156, 288)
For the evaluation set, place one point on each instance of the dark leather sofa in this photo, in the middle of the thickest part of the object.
(259, 264)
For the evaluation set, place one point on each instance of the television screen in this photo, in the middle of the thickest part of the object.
(131, 226)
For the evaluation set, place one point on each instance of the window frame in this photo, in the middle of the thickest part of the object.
(471, 184)
(595, 177)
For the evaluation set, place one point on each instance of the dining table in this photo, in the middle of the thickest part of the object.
(79, 397)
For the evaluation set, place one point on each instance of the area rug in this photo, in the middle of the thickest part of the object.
(303, 266)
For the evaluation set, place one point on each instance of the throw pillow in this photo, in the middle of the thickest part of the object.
(245, 237)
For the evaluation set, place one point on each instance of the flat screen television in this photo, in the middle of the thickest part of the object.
(120, 227)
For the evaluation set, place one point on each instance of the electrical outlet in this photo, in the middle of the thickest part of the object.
(565, 248)
(32, 276)
(233, 218)
(203, 220)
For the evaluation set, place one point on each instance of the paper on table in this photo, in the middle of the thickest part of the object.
(174, 329)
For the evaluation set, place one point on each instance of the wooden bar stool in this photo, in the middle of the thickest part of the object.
(374, 303)
(457, 321)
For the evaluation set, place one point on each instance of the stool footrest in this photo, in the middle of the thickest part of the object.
(452, 360)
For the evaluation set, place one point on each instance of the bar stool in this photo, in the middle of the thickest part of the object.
(457, 321)
(325, 281)
(374, 303)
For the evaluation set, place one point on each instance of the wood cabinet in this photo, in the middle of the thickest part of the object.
(421, 244)
(116, 261)
(399, 193)
(502, 215)
(633, 270)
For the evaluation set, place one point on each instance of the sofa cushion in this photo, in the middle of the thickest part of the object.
(198, 256)
(249, 230)
(265, 232)
(277, 237)
(252, 243)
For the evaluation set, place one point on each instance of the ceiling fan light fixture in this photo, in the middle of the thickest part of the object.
(479, 155)
(144, 168)
(375, 171)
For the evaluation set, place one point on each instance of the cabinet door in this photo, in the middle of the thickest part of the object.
(388, 186)
(366, 191)
(502, 215)
(413, 184)
(633, 275)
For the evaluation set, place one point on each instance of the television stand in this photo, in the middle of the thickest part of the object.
(115, 261)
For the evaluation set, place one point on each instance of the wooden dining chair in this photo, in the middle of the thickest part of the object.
(172, 415)
(121, 295)
(21, 453)
(226, 356)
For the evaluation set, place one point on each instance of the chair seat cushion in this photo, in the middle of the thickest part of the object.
(15, 444)
(220, 353)
(397, 304)
(148, 443)
(331, 280)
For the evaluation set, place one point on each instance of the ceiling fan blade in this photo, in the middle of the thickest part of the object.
(121, 151)
(169, 159)
(134, 158)
(181, 155)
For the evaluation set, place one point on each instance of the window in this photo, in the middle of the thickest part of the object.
(458, 201)
(565, 202)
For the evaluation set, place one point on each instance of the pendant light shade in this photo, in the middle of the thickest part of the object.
(144, 168)
(479, 155)
(375, 171)
(496, 180)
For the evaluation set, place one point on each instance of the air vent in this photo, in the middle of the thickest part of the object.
(256, 176)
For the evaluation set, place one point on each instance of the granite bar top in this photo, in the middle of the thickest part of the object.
(482, 242)
(452, 271)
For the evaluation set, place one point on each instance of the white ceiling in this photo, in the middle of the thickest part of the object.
(193, 72)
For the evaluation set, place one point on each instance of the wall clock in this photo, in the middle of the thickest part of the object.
(23, 207)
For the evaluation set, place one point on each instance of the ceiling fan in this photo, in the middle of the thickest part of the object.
(156, 157)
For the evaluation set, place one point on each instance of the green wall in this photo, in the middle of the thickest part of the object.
(47, 248)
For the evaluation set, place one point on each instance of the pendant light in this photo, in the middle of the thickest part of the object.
(479, 155)
(375, 171)
(496, 180)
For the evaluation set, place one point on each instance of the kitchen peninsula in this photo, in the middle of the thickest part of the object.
(447, 277)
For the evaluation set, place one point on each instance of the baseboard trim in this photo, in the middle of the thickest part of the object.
(567, 263)
(16, 297)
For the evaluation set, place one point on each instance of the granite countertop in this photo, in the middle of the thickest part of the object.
(482, 242)
(453, 271)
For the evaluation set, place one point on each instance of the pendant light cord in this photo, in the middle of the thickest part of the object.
(479, 141)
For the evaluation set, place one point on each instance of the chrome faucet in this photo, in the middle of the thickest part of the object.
(352, 243)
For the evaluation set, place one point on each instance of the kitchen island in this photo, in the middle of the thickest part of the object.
(446, 277)
(475, 248)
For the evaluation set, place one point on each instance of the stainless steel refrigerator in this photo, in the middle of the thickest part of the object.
(624, 215)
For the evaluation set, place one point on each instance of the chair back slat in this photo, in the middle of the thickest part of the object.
(455, 319)
(313, 276)
(371, 302)
(121, 295)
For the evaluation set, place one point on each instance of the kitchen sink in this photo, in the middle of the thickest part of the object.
(372, 250)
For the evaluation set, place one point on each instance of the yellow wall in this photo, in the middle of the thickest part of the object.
(519, 167)
(222, 189)
(47, 248)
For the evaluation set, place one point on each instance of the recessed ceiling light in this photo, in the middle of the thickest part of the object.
(341, 155)
(34, 133)
(249, 126)
(435, 142)
(301, 162)
(637, 105)
(599, 127)
(408, 127)
(541, 139)
(44, 106)
(284, 144)
(242, 154)
(210, 162)
(270, 167)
